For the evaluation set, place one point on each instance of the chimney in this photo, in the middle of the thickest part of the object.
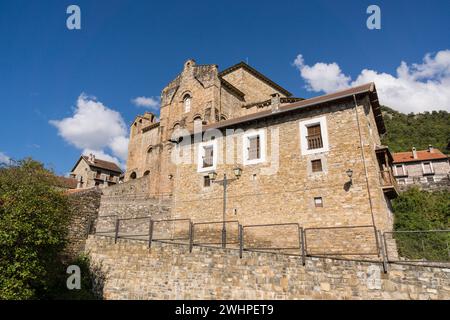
(414, 153)
(92, 157)
(275, 102)
(430, 148)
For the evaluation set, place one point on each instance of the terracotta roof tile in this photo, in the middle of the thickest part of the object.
(422, 155)
(103, 164)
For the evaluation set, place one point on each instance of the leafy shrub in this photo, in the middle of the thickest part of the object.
(33, 225)
(423, 210)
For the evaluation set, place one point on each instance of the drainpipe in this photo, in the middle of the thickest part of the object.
(364, 160)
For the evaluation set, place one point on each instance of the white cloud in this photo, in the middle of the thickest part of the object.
(119, 146)
(414, 88)
(4, 158)
(322, 76)
(151, 103)
(95, 128)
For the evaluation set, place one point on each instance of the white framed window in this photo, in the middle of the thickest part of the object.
(207, 156)
(314, 136)
(400, 170)
(187, 103)
(427, 168)
(254, 146)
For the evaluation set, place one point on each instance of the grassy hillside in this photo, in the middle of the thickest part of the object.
(419, 130)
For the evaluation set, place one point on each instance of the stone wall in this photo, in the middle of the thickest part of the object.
(171, 272)
(83, 209)
(131, 199)
(439, 183)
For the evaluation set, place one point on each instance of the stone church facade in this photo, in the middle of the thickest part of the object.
(318, 162)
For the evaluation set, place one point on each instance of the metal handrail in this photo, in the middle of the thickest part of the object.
(381, 243)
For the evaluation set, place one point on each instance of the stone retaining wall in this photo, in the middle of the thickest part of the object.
(130, 200)
(83, 209)
(170, 272)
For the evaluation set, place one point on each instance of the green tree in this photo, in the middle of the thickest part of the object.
(405, 131)
(32, 230)
(419, 211)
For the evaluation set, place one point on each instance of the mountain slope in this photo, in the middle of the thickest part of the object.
(419, 130)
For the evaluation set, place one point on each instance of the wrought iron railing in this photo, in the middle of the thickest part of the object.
(362, 242)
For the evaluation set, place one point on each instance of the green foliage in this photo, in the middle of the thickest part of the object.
(405, 131)
(88, 278)
(32, 229)
(423, 210)
(33, 226)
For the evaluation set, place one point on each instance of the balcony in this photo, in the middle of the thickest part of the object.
(388, 183)
(314, 141)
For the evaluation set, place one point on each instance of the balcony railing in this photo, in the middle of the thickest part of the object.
(387, 179)
(314, 141)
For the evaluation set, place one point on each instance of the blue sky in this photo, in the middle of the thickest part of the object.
(129, 49)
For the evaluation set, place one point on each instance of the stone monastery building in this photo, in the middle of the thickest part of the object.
(317, 162)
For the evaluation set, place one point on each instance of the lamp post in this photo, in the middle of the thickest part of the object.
(349, 173)
(212, 176)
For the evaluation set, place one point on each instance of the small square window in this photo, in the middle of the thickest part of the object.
(206, 181)
(318, 202)
(316, 165)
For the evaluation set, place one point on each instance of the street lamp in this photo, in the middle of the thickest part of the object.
(212, 177)
(349, 173)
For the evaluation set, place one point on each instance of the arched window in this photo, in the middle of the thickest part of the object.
(197, 121)
(146, 173)
(187, 103)
(133, 175)
(150, 149)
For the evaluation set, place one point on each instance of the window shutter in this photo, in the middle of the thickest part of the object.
(314, 137)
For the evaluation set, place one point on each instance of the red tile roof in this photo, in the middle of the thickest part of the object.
(103, 164)
(422, 155)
